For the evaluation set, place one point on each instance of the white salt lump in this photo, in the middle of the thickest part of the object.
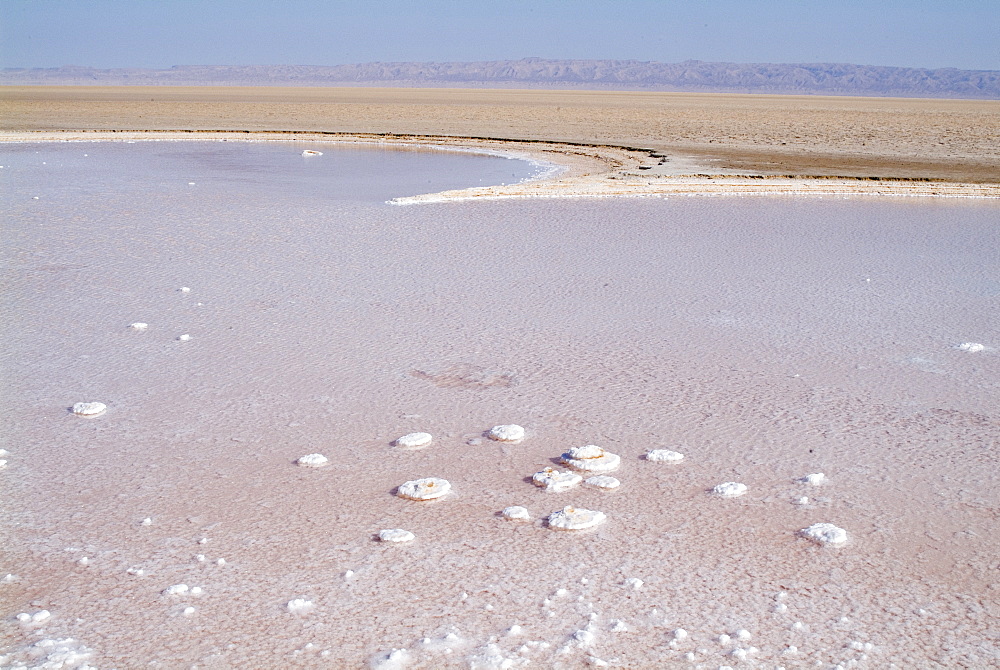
(825, 533)
(184, 338)
(591, 458)
(730, 489)
(414, 440)
(176, 590)
(572, 518)
(299, 606)
(555, 481)
(310, 152)
(603, 482)
(664, 456)
(428, 488)
(396, 535)
(138, 325)
(815, 479)
(971, 347)
(516, 513)
(89, 408)
(312, 461)
(506, 433)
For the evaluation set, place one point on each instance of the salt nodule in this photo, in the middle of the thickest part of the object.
(556, 481)
(428, 488)
(825, 533)
(89, 408)
(396, 535)
(680, 634)
(188, 611)
(603, 482)
(633, 583)
(146, 522)
(184, 338)
(176, 590)
(312, 461)
(299, 606)
(3, 464)
(591, 458)
(664, 456)
(506, 433)
(730, 489)
(414, 440)
(311, 152)
(37, 617)
(743, 634)
(516, 513)
(572, 518)
(138, 325)
(184, 289)
(971, 347)
(815, 479)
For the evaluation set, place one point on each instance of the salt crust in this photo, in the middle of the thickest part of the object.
(572, 518)
(414, 440)
(428, 488)
(664, 456)
(603, 482)
(506, 433)
(971, 347)
(516, 513)
(825, 533)
(815, 479)
(37, 617)
(730, 489)
(299, 606)
(89, 408)
(310, 152)
(3, 464)
(591, 458)
(138, 325)
(396, 535)
(312, 461)
(555, 481)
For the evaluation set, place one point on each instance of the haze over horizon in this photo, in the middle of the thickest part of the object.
(122, 34)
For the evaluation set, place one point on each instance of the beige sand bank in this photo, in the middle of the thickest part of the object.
(616, 143)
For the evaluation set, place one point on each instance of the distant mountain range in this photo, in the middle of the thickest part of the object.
(815, 78)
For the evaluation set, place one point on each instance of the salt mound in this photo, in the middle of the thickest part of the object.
(553, 480)
(138, 325)
(89, 408)
(424, 489)
(176, 590)
(603, 482)
(414, 440)
(815, 479)
(506, 433)
(516, 513)
(730, 489)
(299, 606)
(571, 518)
(971, 347)
(396, 535)
(312, 461)
(184, 338)
(825, 533)
(664, 456)
(591, 458)
(310, 152)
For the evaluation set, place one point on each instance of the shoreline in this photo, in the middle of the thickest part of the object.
(583, 170)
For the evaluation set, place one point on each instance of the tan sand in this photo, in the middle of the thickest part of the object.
(680, 142)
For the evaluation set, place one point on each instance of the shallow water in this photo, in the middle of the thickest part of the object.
(766, 339)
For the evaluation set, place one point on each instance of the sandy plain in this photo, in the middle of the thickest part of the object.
(615, 143)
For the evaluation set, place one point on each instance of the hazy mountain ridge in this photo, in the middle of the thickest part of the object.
(813, 78)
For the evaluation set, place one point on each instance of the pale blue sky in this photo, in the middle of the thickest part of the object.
(161, 33)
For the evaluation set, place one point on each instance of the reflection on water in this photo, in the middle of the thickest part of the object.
(766, 339)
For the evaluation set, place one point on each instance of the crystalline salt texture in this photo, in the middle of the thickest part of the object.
(414, 440)
(591, 458)
(396, 535)
(299, 606)
(603, 482)
(506, 433)
(825, 533)
(572, 518)
(516, 513)
(664, 456)
(553, 480)
(730, 489)
(312, 460)
(428, 488)
(89, 408)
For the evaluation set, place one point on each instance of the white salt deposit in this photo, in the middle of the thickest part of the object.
(825, 533)
(516, 513)
(591, 458)
(184, 338)
(89, 408)
(815, 479)
(555, 481)
(312, 461)
(743, 634)
(3, 464)
(603, 482)
(506, 433)
(634, 583)
(971, 347)
(414, 440)
(310, 152)
(146, 522)
(680, 634)
(37, 617)
(188, 611)
(428, 488)
(138, 325)
(572, 518)
(299, 606)
(804, 500)
(396, 535)
(664, 456)
(176, 590)
(185, 289)
(730, 489)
